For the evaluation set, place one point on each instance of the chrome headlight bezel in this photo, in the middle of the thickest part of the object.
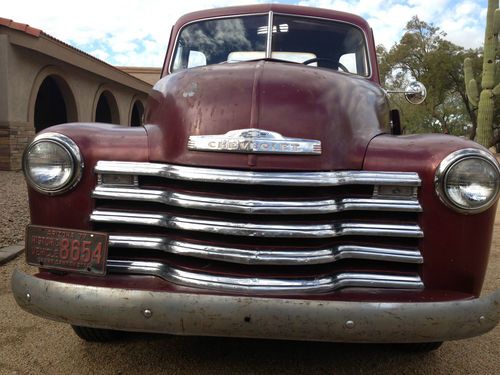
(72, 150)
(448, 163)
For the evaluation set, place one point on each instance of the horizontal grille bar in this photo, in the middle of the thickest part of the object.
(265, 285)
(259, 178)
(266, 257)
(255, 206)
(257, 230)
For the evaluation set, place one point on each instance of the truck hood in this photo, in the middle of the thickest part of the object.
(341, 110)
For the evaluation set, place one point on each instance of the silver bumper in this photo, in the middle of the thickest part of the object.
(213, 315)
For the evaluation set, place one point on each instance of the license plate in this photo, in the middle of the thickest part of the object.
(66, 249)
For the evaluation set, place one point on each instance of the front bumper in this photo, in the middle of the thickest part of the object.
(242, 316)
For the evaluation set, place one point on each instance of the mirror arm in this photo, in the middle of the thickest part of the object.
(395, 92)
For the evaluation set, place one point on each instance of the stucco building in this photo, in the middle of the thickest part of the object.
(44, 81)
(147, 74)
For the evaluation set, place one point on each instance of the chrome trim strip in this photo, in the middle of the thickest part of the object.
(269, 41)
(254, 229)
(252, 206)
(265, 285)
(229, 176)
(284, 318)
(266, 256)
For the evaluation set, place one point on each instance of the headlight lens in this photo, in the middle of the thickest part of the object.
(52, 163)
(468, 180)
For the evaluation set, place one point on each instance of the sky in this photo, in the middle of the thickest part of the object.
(136, 32)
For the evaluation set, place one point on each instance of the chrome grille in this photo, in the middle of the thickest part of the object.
(166, 216)
(265, 285)
(253, 206)
(226, 176)
(269, 256)
(256, 230)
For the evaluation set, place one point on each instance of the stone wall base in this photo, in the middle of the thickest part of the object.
(14, 137)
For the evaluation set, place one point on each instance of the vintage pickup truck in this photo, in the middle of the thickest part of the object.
(269, 194)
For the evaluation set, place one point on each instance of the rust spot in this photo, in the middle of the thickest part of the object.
(191, 90)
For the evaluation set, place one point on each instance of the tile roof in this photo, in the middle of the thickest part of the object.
(27, 29)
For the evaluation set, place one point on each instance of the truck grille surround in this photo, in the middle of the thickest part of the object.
(260, 232)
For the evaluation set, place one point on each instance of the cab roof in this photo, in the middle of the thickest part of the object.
(278, 8)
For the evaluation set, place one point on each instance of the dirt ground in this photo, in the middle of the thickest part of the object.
(31, 345)
(14, 207)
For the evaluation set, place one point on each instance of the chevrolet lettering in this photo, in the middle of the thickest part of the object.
(268, 194)
(254, 141)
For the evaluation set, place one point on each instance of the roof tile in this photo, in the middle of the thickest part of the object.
(20, 27)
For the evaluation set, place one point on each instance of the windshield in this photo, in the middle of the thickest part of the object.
(314, 42)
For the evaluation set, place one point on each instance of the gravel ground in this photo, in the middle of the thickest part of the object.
(13, 203)
(31, 345)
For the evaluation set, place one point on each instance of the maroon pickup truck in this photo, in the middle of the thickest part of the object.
(268, 194)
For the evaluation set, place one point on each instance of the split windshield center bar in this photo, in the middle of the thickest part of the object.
(269, 35)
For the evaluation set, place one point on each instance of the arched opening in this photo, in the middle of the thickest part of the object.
(107, 109)
(137, 113)
(103, 110)
(54, 103)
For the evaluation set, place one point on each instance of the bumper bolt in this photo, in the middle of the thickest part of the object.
(349, 324)
(147, 313)
(482, 319)
(28, 297)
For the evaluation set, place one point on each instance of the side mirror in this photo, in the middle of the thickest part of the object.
(415, 92)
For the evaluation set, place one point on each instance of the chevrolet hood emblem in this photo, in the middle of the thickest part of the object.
(254, 141)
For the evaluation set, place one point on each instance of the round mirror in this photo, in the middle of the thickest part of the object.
(415, 92)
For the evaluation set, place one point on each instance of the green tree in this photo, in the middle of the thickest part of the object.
(424, 54)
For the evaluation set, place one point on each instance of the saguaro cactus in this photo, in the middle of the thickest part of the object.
(485, 100)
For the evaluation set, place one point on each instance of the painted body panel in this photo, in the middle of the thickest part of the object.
(343, 111)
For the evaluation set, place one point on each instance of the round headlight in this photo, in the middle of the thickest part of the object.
(468, 180)
(52, 163)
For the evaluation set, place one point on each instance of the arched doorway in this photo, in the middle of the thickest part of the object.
(54, 103)
(137, 113)
(107, 109)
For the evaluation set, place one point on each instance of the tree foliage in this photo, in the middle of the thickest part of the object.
(424, 54)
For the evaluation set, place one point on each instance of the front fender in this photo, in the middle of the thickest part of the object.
(455, 246)
(96, 142)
